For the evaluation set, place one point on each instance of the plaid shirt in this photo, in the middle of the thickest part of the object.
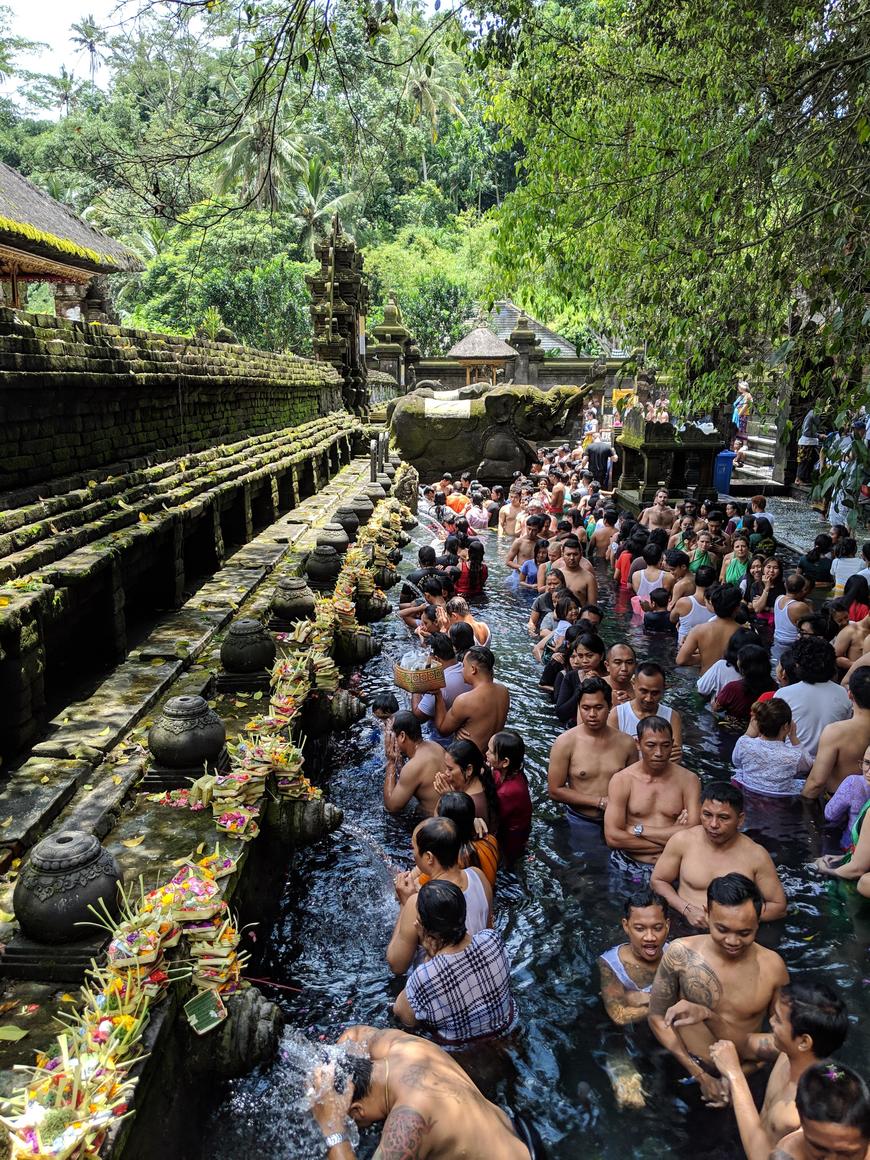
(464, 996)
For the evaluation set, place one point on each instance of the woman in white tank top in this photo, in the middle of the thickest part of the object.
(699, 614)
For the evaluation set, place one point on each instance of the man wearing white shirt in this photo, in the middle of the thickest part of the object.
(815, 698)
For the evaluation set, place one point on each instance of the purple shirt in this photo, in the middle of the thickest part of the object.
(847, 803)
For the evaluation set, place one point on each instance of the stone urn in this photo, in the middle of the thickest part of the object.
(363, 507)
(65, 874)
(316, 715)
(333, 536)
(187, 734)
(248, 647)
(386, 577)
(310, 821)
(384, 480)
(349, 520)
(322, 567)
(355, 648)
(375, 492)
(292, 600)
(345, 710)
(394, 555)
(389, 470)
(375, 608)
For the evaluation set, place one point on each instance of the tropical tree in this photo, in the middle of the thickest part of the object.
(434, 82)
(61, 92)
(90, 38)
(315, 203)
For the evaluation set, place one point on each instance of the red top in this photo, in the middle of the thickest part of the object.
(465, 585)
(858, 611)
(623, 564)
(515, 816)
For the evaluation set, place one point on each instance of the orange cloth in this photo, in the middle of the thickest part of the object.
(487, 855)
(458, 502)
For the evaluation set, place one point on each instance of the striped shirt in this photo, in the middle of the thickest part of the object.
(465, 996)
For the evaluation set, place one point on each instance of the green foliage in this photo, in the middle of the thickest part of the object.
(266, 307)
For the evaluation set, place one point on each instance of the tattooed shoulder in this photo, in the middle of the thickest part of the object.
(404, 1134)
(699, 983)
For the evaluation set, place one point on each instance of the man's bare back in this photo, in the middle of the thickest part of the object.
(582, 763)
(418, 775)
(708, 641)
(841, 752)
(481, 713)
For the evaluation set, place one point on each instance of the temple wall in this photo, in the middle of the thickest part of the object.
(74, 396)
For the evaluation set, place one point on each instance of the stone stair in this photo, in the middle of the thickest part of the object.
(760, 455)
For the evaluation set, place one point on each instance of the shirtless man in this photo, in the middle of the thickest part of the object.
(578, 579)
(602, 537)
(479, 714)
(719, 985)
(694, 857)
(585, 758)
(650, 800)
(417, 776)
(833, 1106)
(683, 582)
(648, 688)
(523, 547)
(509, 514)
(430, 1108)
(851, 642)
(659, 515)
(842, 743)
(621, 665)
(706, 643)
(808, 1023)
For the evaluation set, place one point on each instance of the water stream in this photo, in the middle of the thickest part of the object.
(556, 916)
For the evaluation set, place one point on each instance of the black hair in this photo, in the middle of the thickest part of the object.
(753, 664)
(439, 837)
(859, 687)
(674, 558)
(831, 1093)
(466, 753)
(650, 669)
(610, 517)
(592, 642)
(659, 537)
(724, 599)
(715, 514)
(788, 664)
(405, 722)
(426, 556)
(482, 657)
(564, 604)
(462, 635)
(740, 639)
(459, 808)
(659, 597)
(431, 586)
(442, 646)
(733, 890)
(593, 685)
(641, 898)
(385, 702)
(771, 715)
(705, 577)
(595, 609)
(814, 659)
(653, 725)
(821, 546)
(846, 548)
(815, 1009)
(441, 910)
(509, 744)
(856, 590)
(355, 1069)
(451, 545)
(652, 553)
(428, 612)
(724, 792)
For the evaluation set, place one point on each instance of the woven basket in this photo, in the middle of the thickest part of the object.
(419, 680)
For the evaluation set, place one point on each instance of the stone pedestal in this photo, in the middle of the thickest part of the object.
(656, 455)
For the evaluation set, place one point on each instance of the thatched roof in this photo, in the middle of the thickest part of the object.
(503, 320)
(34, 223)
(481, 343)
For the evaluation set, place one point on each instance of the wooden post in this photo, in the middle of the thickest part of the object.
(16, 293)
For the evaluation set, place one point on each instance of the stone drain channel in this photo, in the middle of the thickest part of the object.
(84, 775)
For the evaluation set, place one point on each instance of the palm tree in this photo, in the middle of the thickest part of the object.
(433, 85)
(60, 92)
(89, 37)
(314, 207)
(263, 156)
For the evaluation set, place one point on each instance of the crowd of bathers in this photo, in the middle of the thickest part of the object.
(784, 671)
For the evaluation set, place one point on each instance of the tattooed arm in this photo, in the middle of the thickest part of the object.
(406, 1135)
(616, 999)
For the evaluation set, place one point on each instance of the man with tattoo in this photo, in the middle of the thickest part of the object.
(649, 801)
(695, 856)
(833, 1104)
(809, 1023)
(430, 1108)
(719, 985)
(627, 971)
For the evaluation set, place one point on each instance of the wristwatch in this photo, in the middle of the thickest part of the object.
(334, 1140)
(637, 830)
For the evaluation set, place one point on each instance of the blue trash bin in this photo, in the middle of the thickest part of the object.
(722, 471)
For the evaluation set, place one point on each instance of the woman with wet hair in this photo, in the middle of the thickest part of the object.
(465, 771)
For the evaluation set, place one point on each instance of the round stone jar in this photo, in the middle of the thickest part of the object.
(248, 647)
(186, 734)
(66, 873)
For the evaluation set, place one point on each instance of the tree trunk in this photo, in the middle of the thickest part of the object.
(425, 170)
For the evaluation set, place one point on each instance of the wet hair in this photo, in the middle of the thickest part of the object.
(859, 687)
(822, 544)
(442, 646)
(771, 715)
(652, 553)
(705, 577)
(592, 685)
(441, 910)
(724, 792)
(439, 837)
(475, 559)
(659, 597)
(405, 722)
(535, 522)
(724, 599)
(542, 548)
(564, 604)
(431, 586)
(458, 605)
(355, 1069)
(482, 657)
(733, 890)
(653, 725)
(740, 639)
(426, 556)
(815, 1009)
(592, 642)
(641, 898)
(856, 590)
(831, 1093)
(427, 612)
(509, 744)
(462, 635)
(466, 753)
(650, 669)
(814, 659)
(674, 558)
(658, 538)
(451, 545)
(753, 664)
(386, 702)
(610, 517)
(459, 808)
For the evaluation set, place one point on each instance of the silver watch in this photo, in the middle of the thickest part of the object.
(637, 830)
(334, 1140)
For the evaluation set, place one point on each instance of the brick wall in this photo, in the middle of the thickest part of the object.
(74, 397)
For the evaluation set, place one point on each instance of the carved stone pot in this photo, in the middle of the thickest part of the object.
(313, 820)
(322, 567)
(355, 648)
(345, 710)
(394, 555)
(292, 600)
(333, 536)
(65, 874)
(384, 480)
(187, 734)
(363, 507)
(316, 715)
(404, 539)
(375, 608)
(386, 577)
(375, 492)
(248, 647)
(349, 520)
(389, 470)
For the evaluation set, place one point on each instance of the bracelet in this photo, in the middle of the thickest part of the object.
(334, 1139)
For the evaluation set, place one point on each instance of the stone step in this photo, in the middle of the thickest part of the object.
(747, 471)
(757, 442)
(760, 458)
